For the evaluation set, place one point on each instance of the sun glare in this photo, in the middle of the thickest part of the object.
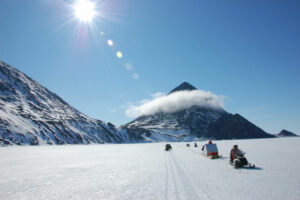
(84, 10)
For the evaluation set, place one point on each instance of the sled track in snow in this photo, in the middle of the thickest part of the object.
(191, 175)
(166, 176)
(170, 179)
(188, 187)
(197, 153)
(179, 178)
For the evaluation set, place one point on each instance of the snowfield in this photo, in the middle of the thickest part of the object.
(145, 171)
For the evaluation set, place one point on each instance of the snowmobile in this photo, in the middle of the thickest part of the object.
(168, 147)
(241, 161)
(188, 145)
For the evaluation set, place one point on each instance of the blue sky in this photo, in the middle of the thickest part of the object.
(248, 51)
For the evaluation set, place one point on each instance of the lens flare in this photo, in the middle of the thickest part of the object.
(84, 10)
(128, 66)
(110, 43)
(119, 54)
(135, 76)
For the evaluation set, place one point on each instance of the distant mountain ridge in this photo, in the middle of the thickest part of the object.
(285, 133)
(196, 122)
(31, 114)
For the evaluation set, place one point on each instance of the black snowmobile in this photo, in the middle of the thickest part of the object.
(168, 147)
(240, 161)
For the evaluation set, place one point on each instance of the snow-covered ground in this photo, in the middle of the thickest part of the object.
(145, 171)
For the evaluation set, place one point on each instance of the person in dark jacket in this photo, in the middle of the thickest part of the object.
(237, 153)
(168, 147)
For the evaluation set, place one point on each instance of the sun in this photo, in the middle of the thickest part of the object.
(84, 10)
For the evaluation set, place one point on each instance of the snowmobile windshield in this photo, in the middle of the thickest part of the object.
(241, 152)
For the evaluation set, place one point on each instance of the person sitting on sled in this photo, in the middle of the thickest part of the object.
(237, 153)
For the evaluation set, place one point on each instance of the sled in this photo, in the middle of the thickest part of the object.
(211, 151)
(215, 156)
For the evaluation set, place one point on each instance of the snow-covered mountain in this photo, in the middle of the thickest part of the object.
(195, 122)
(285, 133)
(31, 114)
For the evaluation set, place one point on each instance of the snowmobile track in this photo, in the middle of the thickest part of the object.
(188, 187)
(171, 184)
(191, 175)
(182, 180)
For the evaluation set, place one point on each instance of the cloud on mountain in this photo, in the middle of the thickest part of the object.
(176, 101)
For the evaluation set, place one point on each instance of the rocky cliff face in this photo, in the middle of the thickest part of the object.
(235, 127)
(31, 114)
(177, 126)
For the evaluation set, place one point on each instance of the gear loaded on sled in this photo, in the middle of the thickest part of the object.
(237, 158)
(168, 147)
(210, 150)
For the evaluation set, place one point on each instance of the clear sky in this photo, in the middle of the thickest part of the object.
(248, 51)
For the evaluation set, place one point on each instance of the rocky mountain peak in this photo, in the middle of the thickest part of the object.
(183, 86)
(285, 133)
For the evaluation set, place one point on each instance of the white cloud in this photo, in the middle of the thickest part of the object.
(157, 95)
(173, 102)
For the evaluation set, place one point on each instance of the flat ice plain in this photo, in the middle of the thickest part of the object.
(146, 171)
